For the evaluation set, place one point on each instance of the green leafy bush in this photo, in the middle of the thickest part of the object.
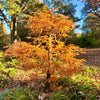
(5, 74)
(1, 66)
(82, 40)
(7, 71)
(3, 81)
(82, 86)
(11, 72)
(12, 63)
(86, 41)
(18, 94)
(2, 58)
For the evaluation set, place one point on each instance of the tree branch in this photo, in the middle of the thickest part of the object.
(23, 5)
(97, 14)
(5, 18)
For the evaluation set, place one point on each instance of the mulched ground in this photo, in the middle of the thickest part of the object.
(92, 57)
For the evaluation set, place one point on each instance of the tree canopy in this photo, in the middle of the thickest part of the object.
(47, 54)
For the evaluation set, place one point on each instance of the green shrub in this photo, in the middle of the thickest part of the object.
(11, 72)
(3, 82)
(7, 71)
(12, 63)
(83, 41)
(2, 58)
(86, 41)
(60, 95)
(1, 66)
(90, 70)
(18, 94)
(80, 87)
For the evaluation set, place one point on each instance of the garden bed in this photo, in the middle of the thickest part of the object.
(92, 57)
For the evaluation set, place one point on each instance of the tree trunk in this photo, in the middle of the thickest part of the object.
(11, 32)
(47, 85)
(14, 35)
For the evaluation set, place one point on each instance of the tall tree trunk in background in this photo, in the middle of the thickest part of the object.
(11, 32)
(14, 35)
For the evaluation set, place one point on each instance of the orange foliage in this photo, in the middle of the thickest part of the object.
(49, 55)
(48, 23)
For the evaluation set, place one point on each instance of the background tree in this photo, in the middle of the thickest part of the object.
(15, 8)
(64, 7)
(3, 34)
(92, 24)
(92, 21)
(36, 7)
(92, 6)
(92, 11)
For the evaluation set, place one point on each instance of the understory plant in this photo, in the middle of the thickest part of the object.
(47, 55)
(18, 94)
(12, 63)
(2, 58)
(83, 86)
(5, 74)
